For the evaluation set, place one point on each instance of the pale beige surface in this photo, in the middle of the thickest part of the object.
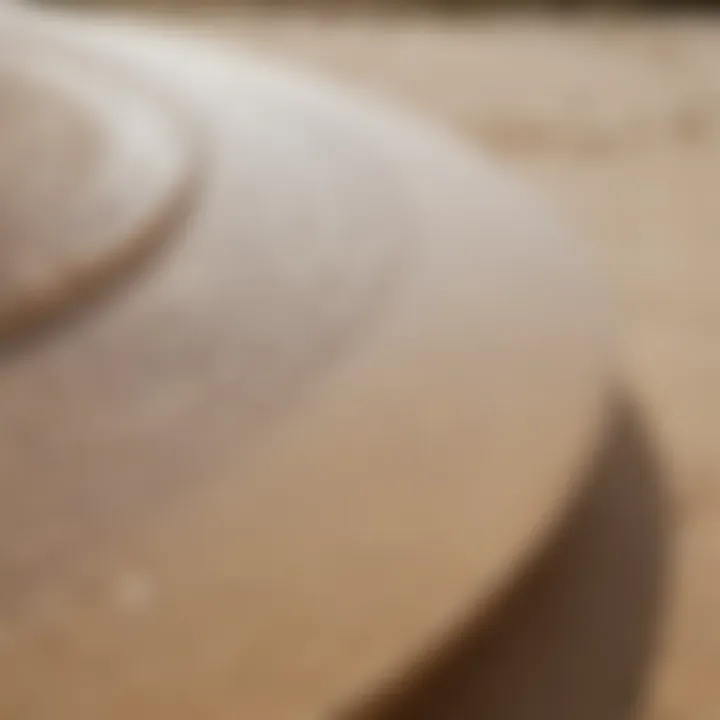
(283, 457)
(72, 147)
(620, 123)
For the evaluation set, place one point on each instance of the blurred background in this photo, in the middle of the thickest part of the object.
(613, 112)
